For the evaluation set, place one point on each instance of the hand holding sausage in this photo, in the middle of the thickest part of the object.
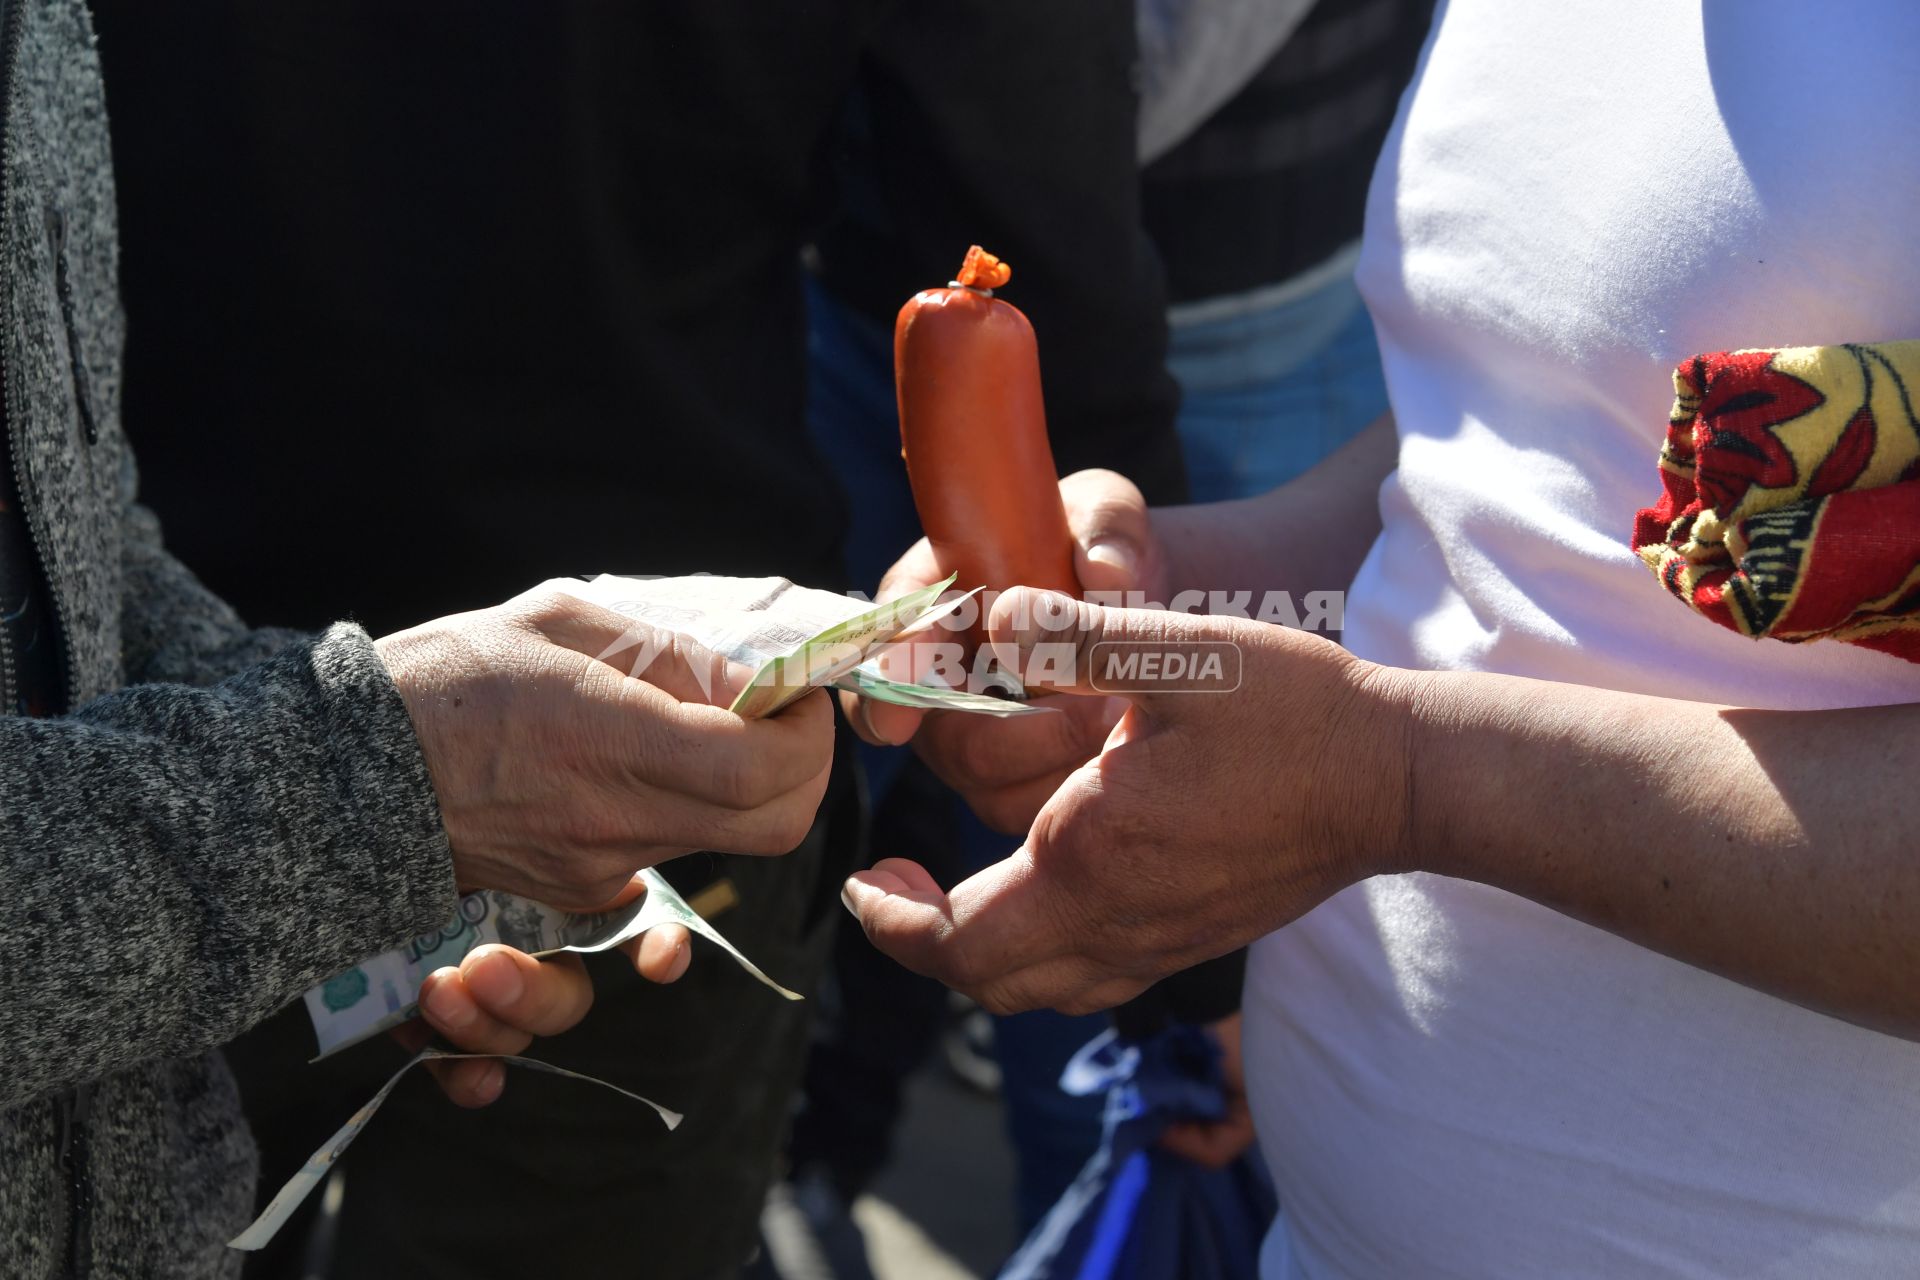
(1007, 768)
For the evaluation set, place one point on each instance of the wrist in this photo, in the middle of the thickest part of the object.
(1451, 776)
(1382, 765)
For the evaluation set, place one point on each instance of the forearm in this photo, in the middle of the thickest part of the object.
(178, 863)
(1310, 534)
(1774, 848)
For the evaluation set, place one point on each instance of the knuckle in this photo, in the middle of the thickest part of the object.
(1089, 630)
(1102, 497)
(977, 756)
(544, 604)
(792, 826)
(593, 824)
(775, 830)
(1013, 995)
(959, 967)
(735, 783)
(814, 715)
(603, 888)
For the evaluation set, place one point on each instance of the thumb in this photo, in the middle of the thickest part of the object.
(903, 909)
(1054, 642)
(1111, 530)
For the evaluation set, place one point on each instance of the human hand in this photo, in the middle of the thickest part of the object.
(1207, 820)
(1005, 769)
(498, 999)
(1215, 1144)
(559, 775)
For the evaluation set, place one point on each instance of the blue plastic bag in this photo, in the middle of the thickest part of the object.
(1137, 1212)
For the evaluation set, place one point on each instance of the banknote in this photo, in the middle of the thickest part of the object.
(663, 904)
(380, 993)
(321, 1162)
(830, 654)
(793, 638)
(867, 681)
(796, 637)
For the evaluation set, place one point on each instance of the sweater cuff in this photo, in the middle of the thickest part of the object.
(388, 875)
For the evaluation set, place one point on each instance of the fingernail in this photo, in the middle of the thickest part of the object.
(846, 899)
(495, 980)
(493, 1083)
(1115, 554)
(448, 1007)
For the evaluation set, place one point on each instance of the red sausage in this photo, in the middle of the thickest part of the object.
(973, 431)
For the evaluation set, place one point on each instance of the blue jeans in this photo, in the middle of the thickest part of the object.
(1265, 395)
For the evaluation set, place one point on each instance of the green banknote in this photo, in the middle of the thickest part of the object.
(829, 654)
(382, 992)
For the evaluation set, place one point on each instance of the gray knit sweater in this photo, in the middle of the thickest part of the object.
(226, 817)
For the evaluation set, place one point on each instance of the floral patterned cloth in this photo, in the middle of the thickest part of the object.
(1791, 503)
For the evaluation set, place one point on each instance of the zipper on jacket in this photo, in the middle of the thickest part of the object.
(74, 1109)
(36, 525)
(9, 675)
(74, 1106)
(8, 678)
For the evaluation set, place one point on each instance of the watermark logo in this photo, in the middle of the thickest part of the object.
(938, 654)
(1154, 666)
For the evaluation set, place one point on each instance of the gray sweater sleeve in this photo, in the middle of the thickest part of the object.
(177, 863)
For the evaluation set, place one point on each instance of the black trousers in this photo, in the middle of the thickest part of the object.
(878, 1021)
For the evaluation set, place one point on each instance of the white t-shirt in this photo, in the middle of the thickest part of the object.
(1452, 1081)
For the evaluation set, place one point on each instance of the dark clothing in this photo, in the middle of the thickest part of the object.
(221, 818)
(1276, 180)
(31, 674)
(1013, 125)
(1201, 995)
(878, 1020)
(518, 286)
(521, 281)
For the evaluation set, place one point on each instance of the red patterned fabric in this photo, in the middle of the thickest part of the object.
(1791, 494)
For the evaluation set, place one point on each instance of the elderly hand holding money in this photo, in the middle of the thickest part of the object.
(608, 772)
(603, 745)
(644, 767)
(559, 775)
